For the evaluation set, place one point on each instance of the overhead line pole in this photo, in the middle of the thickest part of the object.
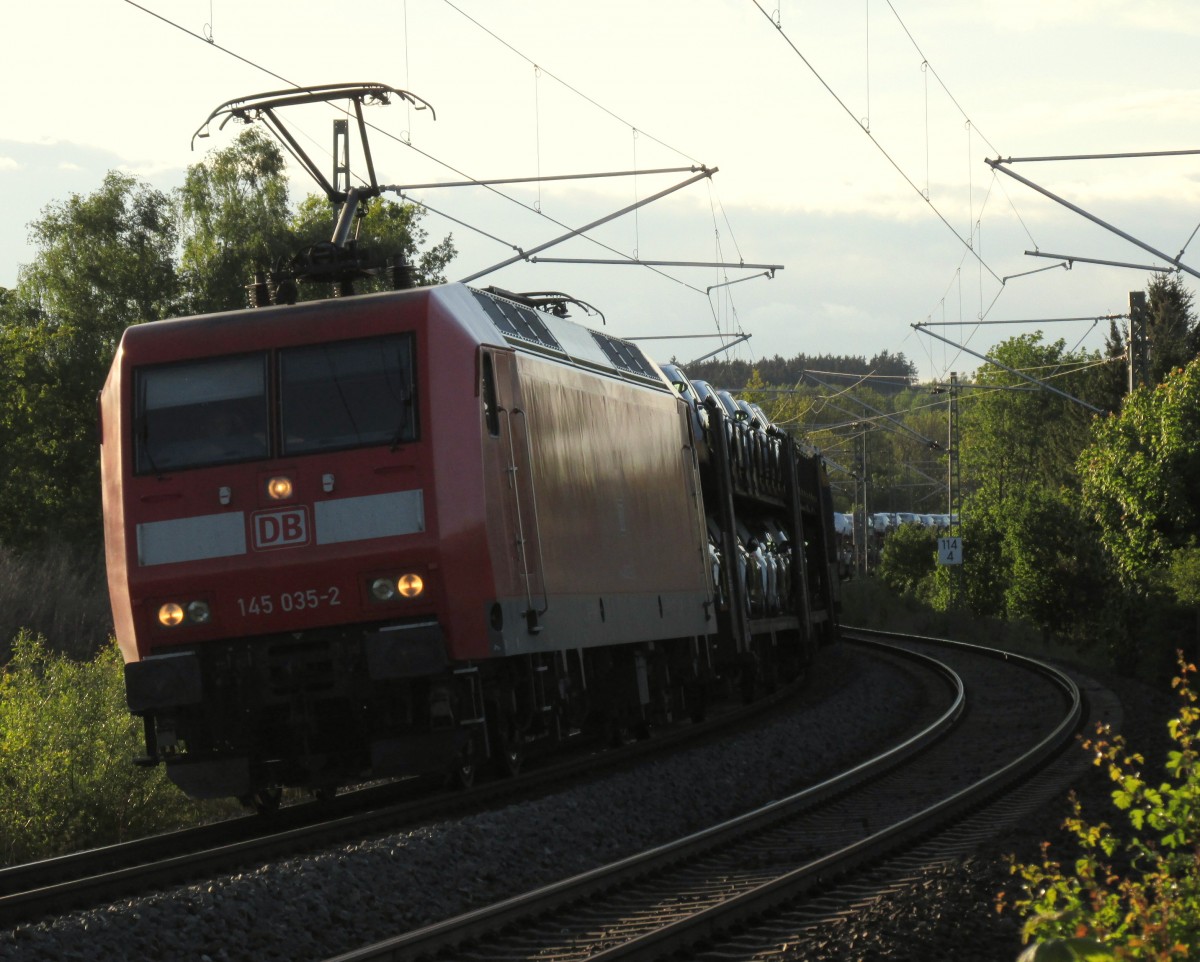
(638, 262)
(723, 347)
(672, 337)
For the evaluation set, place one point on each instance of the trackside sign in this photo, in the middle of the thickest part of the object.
(950, 551)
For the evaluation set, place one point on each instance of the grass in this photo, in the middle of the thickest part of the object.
(58, 594)
(869, 603)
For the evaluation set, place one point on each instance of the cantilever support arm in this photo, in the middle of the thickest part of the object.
(527, 255)
(1011, 370)
(998, 164)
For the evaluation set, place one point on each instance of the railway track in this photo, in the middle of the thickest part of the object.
(36, 889)
(779, 868)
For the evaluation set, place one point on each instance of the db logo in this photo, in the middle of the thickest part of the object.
(284, 528)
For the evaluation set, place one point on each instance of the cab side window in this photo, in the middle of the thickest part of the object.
(491, 409)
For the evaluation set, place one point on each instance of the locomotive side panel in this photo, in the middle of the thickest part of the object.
(614, 489)
(513, 535)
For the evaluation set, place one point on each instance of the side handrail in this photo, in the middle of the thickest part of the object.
(532, 612)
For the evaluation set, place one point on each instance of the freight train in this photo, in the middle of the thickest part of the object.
(427, 530)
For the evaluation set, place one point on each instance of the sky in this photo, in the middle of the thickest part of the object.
(849, 139)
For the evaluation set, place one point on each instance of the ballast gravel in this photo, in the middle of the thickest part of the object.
(326, 902)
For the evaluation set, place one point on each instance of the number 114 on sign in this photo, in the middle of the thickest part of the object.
(950, 551)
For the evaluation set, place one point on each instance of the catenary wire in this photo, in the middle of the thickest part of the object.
(871, 137)
(411, 146)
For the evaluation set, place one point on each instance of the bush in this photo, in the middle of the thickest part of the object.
(67, 741)
(1137, 890)
(909, 558)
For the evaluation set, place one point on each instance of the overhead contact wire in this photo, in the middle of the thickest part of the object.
(878, 145)
(425, 154)
(554, 76)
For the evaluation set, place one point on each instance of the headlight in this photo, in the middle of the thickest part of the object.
(198, 612)
(172, 614)
(384, 589)
(280, 488)
(395, 587)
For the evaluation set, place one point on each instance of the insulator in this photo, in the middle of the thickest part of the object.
(259, 292)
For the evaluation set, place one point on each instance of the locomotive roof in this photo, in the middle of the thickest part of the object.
(491, 317)
(541, 332)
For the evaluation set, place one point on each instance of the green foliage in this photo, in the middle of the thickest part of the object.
(1067, 950)
(104, 262)
(1171, 327)
(909, 558)
(894, 370)
(1183, 575)
(1016, 436)
(234, 212)
(1141, 475)
(67, 741)
(386, 229)
(1135, 888)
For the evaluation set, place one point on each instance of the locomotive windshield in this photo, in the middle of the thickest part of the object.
(347, 394)
(332, 396)
(202, 412)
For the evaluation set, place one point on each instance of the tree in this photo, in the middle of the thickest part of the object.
(1141, 475)
(1016, 435)
(1054, 571)
(104, 261)
(1171, 327)
(909, 558)
(235, 221)
(66, 737)
(1113, 377)
(385, 230)
(888, 372)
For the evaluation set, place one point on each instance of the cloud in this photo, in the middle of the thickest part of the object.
(8, 163)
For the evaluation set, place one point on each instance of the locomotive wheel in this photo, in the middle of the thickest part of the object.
(464, 772)
(510, 755)
(265, 801)
(507, 741)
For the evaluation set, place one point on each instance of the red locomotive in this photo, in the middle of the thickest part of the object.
(455, 525)
(415, 531)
